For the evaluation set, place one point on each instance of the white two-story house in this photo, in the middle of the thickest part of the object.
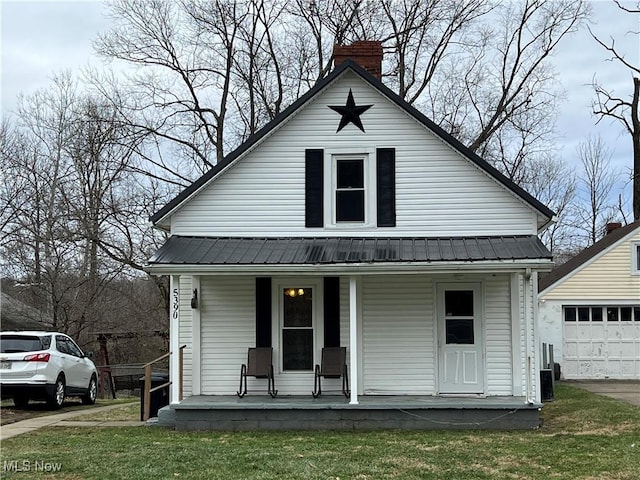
(352, 220)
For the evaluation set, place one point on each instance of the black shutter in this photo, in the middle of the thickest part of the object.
(331, 311)
(263, 311)
(386, 186)
(314, 188)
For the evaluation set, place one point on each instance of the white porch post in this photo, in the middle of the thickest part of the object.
(353, 339)
(529, 321)
(196, 339)
(518, 365)
(174, 338)
(536, 347)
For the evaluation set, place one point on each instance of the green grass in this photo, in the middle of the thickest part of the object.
(584, 436)
(127, 412)
(10, 414)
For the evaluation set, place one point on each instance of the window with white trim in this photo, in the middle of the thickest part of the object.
(350, 201)
(635, 258)
(297, 341)
(350, 195)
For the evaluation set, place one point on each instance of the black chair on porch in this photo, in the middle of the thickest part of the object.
(259, 365)
(333, 365)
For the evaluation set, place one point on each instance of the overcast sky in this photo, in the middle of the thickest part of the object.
(43, 37)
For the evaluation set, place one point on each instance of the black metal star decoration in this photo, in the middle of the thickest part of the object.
(350, 113)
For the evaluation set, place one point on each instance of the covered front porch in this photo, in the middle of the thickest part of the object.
(429, 344)
(331, 412)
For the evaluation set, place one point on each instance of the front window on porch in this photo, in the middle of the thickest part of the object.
(297, 329)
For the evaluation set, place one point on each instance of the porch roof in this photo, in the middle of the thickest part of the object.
(199, 251)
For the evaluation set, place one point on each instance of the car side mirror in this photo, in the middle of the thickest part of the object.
(89, 355)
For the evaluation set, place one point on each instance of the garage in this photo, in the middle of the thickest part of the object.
(601, 342)
(589, 308)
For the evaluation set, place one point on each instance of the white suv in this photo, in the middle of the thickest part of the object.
(45, 365)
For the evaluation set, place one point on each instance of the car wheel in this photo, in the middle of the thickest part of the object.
(56, 397)
(21, 401)
(92, 392)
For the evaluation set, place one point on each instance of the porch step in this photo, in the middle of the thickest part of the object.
(166, 418)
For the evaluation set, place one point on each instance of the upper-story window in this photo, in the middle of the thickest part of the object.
(350, 201)
(347, 189)
(635, 258)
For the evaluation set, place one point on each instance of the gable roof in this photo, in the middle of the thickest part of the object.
(586, 255)
(384, 90)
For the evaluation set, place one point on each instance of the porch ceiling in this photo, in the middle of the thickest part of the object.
(347, 251)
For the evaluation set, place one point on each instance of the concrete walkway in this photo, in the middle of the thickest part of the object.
(62, 419)
(625, 390)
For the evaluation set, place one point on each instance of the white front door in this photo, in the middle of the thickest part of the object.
(461, 360)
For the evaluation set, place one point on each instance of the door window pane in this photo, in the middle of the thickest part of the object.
(459, 331)
(625, 314)
(62, 346)
(458, 303)
(636, 314)
(612, 314)
(596, 314)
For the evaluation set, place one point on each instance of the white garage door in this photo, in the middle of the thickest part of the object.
(601, 342)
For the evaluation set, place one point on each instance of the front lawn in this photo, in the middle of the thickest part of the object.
(584, 436)
(10, 414)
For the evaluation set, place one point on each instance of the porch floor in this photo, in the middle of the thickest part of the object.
(334, 412)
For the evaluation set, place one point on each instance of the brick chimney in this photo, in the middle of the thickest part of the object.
(366, 53)
(612, 226)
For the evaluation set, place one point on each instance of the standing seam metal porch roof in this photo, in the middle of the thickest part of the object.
(187, 250)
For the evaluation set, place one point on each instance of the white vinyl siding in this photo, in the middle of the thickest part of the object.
(228, 322)
(398, 349)
(397, 335)
(185, 335)
(498, 336)
(228, 329)
(438, 191)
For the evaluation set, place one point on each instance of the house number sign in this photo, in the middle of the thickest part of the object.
(176, 304)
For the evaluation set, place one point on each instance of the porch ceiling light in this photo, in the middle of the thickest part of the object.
(293, 292)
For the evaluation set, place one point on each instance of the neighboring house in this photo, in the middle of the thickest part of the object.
(353, 220)
(17, 315)
(589, 308)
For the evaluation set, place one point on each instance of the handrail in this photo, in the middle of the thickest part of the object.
(147, 381)
(162, 357)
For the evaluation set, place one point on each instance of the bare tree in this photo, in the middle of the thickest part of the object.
(623, 108)
(71, 210)
(433, 27)
(595, 186)
(553, 182)
(220, 70)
